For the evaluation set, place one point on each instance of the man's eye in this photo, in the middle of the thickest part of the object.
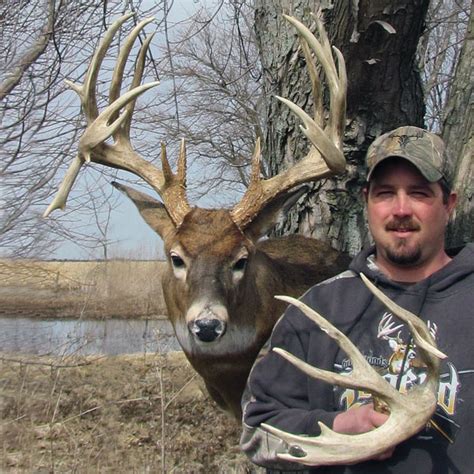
(419, 194)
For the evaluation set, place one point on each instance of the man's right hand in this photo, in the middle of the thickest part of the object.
(362, 419)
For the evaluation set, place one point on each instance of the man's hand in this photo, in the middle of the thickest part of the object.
(362, 419)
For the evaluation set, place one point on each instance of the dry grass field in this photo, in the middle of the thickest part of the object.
(145, 413)
(117, 414)
(89, 289)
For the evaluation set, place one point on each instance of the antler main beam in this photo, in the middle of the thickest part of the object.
(111, 124)
(408, 412)
(325, 157)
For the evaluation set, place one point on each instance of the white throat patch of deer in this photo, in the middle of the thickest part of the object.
(409, 412)
(221, 279)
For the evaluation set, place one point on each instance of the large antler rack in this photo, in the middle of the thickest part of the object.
(111, 124)
(325, 157)
(409, 412)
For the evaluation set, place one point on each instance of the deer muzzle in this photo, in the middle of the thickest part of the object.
(207, 329)
(207, 322)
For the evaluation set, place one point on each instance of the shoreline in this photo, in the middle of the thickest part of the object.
(122, 289)
(53, 314)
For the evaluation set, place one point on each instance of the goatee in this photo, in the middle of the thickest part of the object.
(401, 255)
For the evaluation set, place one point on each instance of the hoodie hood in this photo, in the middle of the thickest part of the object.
(455, 271)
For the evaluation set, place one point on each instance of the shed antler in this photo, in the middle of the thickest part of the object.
(408, 412)
(108, 123)
(325, 157)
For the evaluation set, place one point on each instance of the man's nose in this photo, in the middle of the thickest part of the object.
(402, 205)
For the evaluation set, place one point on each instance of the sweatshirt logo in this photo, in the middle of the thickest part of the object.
(402, 368)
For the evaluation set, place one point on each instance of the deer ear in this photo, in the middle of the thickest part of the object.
(273, 212)
(153, 212)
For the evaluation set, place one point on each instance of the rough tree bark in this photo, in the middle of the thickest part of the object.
(379, 41)
(458, 130)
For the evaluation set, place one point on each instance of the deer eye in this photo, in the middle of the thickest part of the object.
(177, 261)
(240, 264)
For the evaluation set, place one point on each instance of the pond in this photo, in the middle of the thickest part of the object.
(85, 337)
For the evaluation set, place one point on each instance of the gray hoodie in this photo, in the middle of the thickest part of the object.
(280, 395)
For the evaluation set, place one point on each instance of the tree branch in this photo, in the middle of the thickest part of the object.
(31, 55)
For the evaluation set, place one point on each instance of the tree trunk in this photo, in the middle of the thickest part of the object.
(458, 135)
(378, 41)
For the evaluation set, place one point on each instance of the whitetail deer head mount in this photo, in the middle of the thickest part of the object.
(230, 234)
(220, 282)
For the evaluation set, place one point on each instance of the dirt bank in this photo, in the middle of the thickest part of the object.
(119, 414)
(89, 289)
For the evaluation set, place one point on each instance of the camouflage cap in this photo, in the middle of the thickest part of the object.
(423, 149)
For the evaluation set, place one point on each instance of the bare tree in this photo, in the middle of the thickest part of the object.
(458, 133)
(42, 43)
(19, 62)
(209, 92)
(446, 53)
(439, 50)
(216, 93)
(32, 56)
(379, 42)
(213, 75)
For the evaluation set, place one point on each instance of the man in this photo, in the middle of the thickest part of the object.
(409, 202)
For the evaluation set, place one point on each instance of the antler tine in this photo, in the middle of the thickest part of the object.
(315, 83)
(95, 135)
(101, 128)
(325, 157)
(174, 187)
(255, 172)
(137, 78)
(408, 412)
(117, 77)
(419, 330)
(325, 141)
(59, 201)
(109, 123)
(337, 77)
(182, 163)
(87, 91)
(363, 376)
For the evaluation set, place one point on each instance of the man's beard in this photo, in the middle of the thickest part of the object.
(401, 253)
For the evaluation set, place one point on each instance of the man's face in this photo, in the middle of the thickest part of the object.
(406, 214)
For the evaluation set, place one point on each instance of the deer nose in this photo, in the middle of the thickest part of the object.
(206, 329)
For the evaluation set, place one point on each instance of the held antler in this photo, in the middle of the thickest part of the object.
(408, 412)
(100, 127)
(325, 157)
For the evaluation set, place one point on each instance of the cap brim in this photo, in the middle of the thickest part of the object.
(429, 173)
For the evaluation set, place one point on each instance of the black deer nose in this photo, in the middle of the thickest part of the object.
(207, 330)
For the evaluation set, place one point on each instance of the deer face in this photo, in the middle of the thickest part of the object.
(209, 284)
(208, 257)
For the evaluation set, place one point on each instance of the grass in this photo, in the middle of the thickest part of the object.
(116, 414)
(138, 414)
(90, 289)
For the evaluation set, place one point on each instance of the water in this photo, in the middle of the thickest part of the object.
(85, 337)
